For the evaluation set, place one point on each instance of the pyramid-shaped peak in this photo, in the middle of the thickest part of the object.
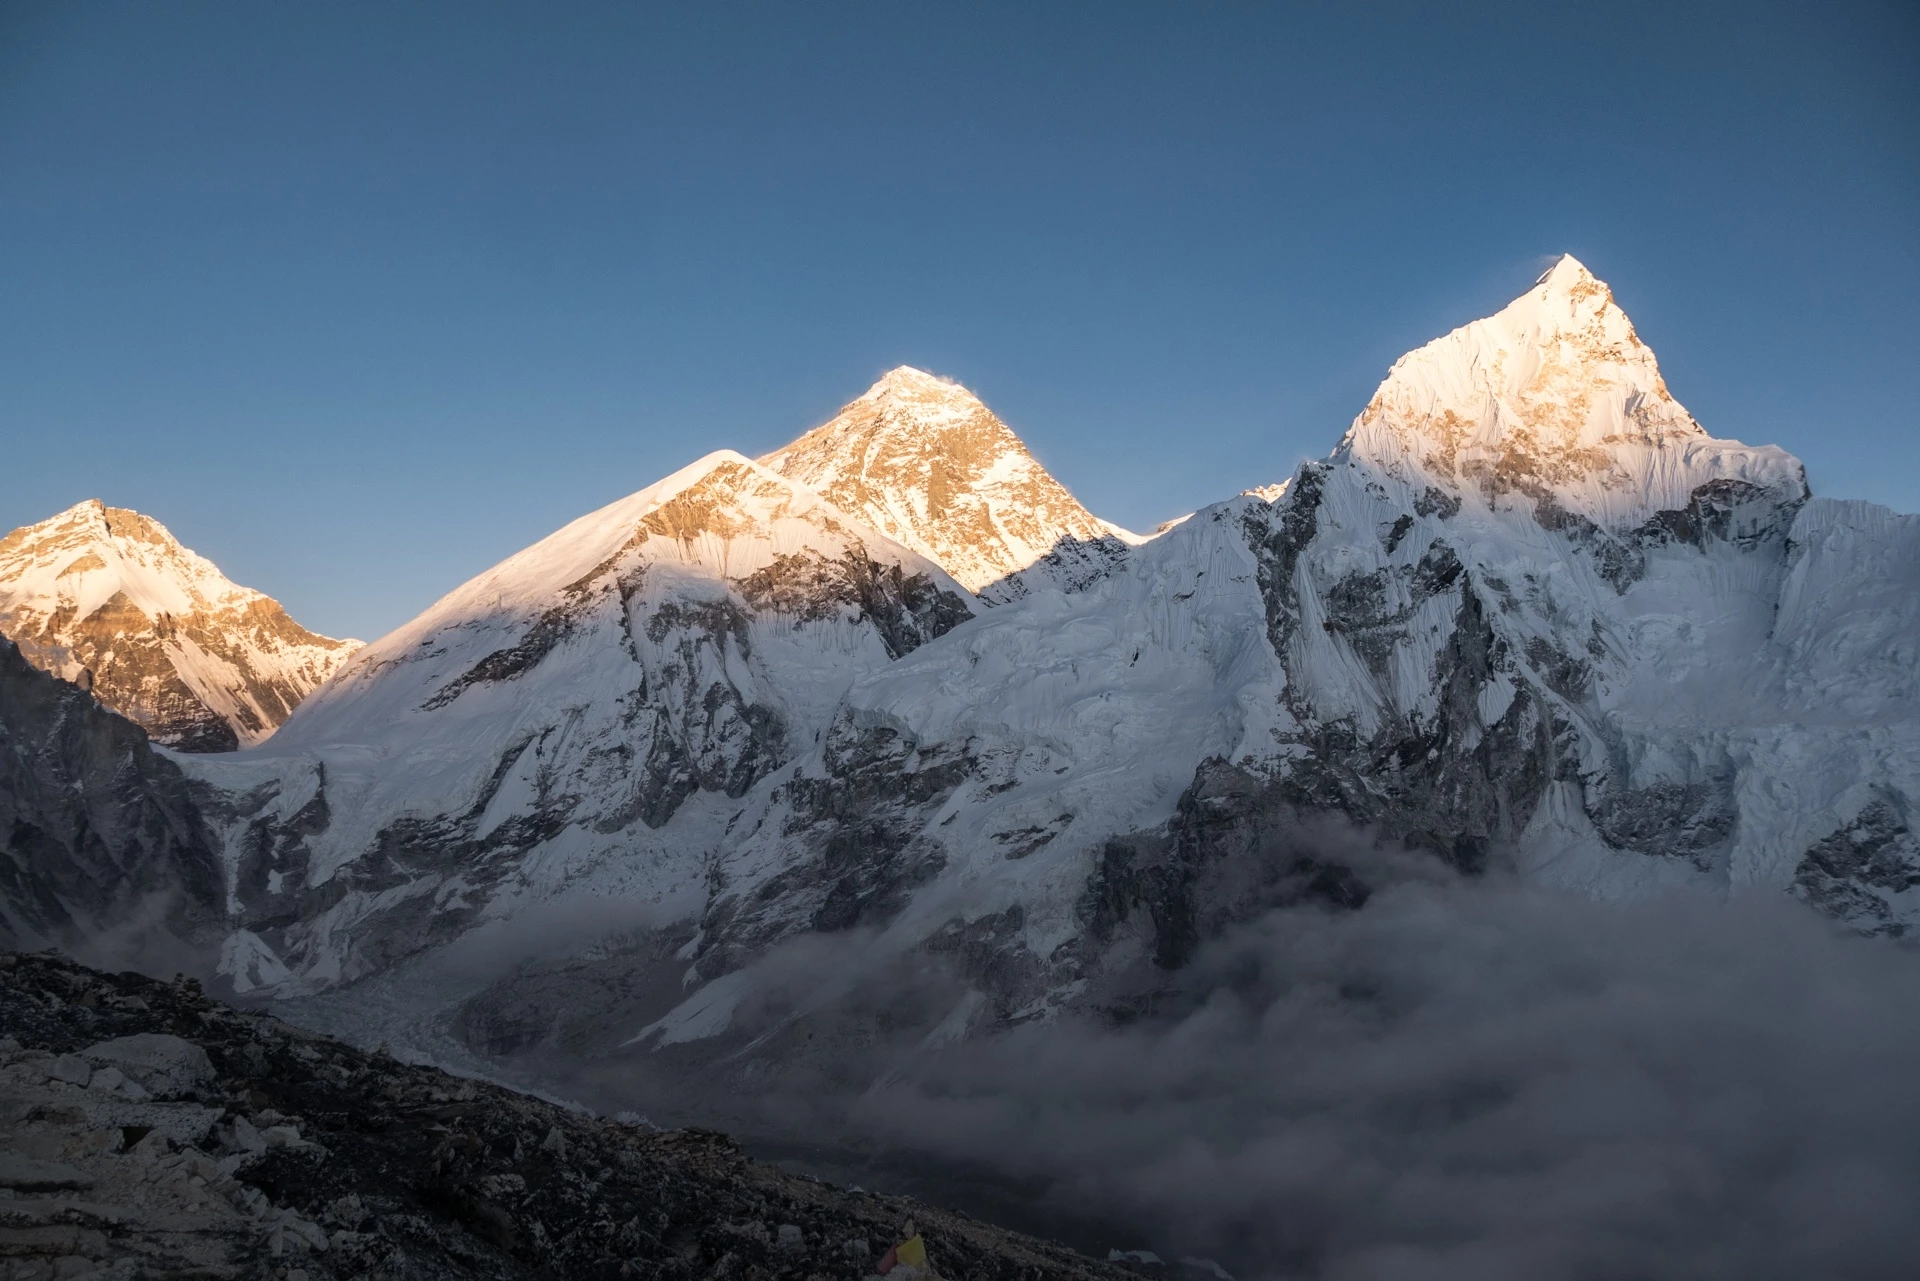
(108, 597)
(1566, 275)
(92, 522)
(89, 515)
(922, 460)
(1555, 392)
(908, 376)
(1566, 294)
(904, 382)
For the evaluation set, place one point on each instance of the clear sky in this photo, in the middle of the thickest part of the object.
(360, 298)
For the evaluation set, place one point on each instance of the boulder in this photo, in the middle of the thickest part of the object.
(168, 1067)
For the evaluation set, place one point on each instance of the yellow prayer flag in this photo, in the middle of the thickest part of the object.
(912, 1251)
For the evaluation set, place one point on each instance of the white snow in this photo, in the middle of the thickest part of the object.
(920, 459)
(61, 571)
(1539, 448)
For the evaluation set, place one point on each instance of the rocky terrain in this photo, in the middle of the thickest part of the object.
(151, 1132)
(109, 599)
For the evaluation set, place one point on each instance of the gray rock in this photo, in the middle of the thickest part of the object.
(282, 1136)
(186, 1124)
(165, 1065)
(28, 1175)
(118, 844)
(72, 1070)
(167, 1208)
(245, 1137)
(108, 1080)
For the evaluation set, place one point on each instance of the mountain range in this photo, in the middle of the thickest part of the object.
(893, 685)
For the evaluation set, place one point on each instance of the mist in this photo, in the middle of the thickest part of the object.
(1475, 1079)
(1466, 1077)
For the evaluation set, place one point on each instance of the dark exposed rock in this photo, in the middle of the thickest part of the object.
(1229, 855)
(546, 632)
(100, 844)
(1682, 820)
(1619, 563)
(908, 610)
(1434, 501)
(988, 951)
(1851, 873)
(305, 1156)
(1071, 564)
(862, 819)
(1443, 782)
(1728, 511)
(1278, 534)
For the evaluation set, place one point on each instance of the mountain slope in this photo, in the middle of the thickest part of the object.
(108, 598)
(920, 459)
(1528, 610)
(591, 707)
(102, 851)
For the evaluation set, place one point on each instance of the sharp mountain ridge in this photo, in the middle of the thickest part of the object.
(109, 599)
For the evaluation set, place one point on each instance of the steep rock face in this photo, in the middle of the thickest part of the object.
(101, 850)
(921, 460)
(109, 599)
(587, 713)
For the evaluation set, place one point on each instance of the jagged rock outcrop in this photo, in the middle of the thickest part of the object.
(149, 1131)
(102, 851)
(920, 459)
(109, 599)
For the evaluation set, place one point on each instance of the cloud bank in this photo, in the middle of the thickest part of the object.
(1475, 1079)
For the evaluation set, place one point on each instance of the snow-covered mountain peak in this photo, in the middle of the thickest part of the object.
(721, 533)
(549, 716)
(137, 555)
(1554, 398)
(922, 460)
(709, 512)
(1569, 276)
(109, 598)
(935, 397)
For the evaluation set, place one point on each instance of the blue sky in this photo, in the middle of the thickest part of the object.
(359, 299)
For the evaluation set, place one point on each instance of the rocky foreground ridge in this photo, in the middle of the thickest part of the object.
(152, 1132)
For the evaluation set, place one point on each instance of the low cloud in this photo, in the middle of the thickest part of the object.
(1466, 1077)
(1475, 1079)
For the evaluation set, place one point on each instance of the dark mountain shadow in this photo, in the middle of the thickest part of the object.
(102, 851)
(1071, 564)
